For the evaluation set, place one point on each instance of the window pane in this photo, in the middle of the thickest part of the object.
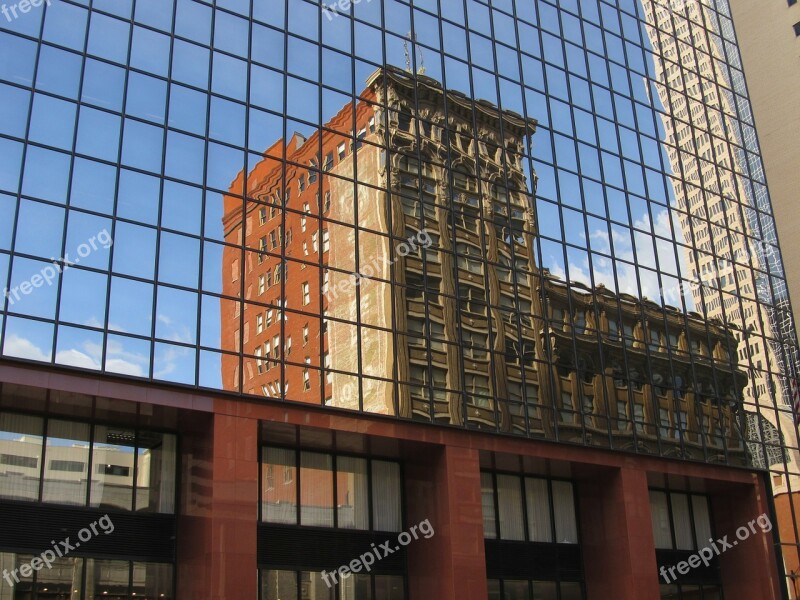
(279, 491)
(487, 500)
(515, 590)
(682, 521)
(352, 500)
(155, 472)
(537, 497)
(65, 575)
(312, 586)
(386, 496)
(112, 467)
(152, 580)
(509, 503)
(20, 453)
(564, 511)
(67, 456)
(107, 579)
(316, 489)
(545, 590)
(356, 587)
(702, 520)
(389, 587)
(571, 591)
(494, 589)
(669, 592)
(659, 515)
(278, 585)
(13, 562)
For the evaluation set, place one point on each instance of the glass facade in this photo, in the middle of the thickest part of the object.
(537, 218)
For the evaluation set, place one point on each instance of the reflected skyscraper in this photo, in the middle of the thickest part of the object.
(730, 235)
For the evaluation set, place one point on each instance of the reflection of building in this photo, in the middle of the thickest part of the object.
(726, 222)
(667, 386)
(723, 252)
(447, 261)
(768, 35)
(65, 473)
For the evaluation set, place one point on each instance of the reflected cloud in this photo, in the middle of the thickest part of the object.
(620, 273)
(21, 348)
(88, 356)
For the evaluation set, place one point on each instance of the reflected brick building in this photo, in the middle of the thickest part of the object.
(458, 324)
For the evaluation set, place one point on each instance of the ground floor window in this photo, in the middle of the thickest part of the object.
(691, 592)
(318, 489)
(520, 589)
(528, 509)
(322, 585)
(37, 577)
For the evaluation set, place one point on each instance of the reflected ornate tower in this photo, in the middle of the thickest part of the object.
(433, 308)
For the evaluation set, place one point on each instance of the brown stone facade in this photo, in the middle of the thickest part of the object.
(219, 494)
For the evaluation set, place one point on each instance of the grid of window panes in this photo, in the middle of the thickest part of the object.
(62, 461)
(316, 489)
(187, 189)
(87, 578)
(528, 509)
(310, 585)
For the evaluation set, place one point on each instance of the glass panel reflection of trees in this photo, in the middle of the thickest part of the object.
(458, 219)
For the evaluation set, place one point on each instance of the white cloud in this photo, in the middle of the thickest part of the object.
(629, 276)
(116, 365)
(86, 356)
(23, 348)
(76, 358)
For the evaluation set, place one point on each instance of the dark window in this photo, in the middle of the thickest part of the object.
(71, 466)
(117, 470)
(14, 460)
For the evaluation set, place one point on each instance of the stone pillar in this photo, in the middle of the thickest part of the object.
(617, 535)
(217, 523)
(749, 567)
(443, 484)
